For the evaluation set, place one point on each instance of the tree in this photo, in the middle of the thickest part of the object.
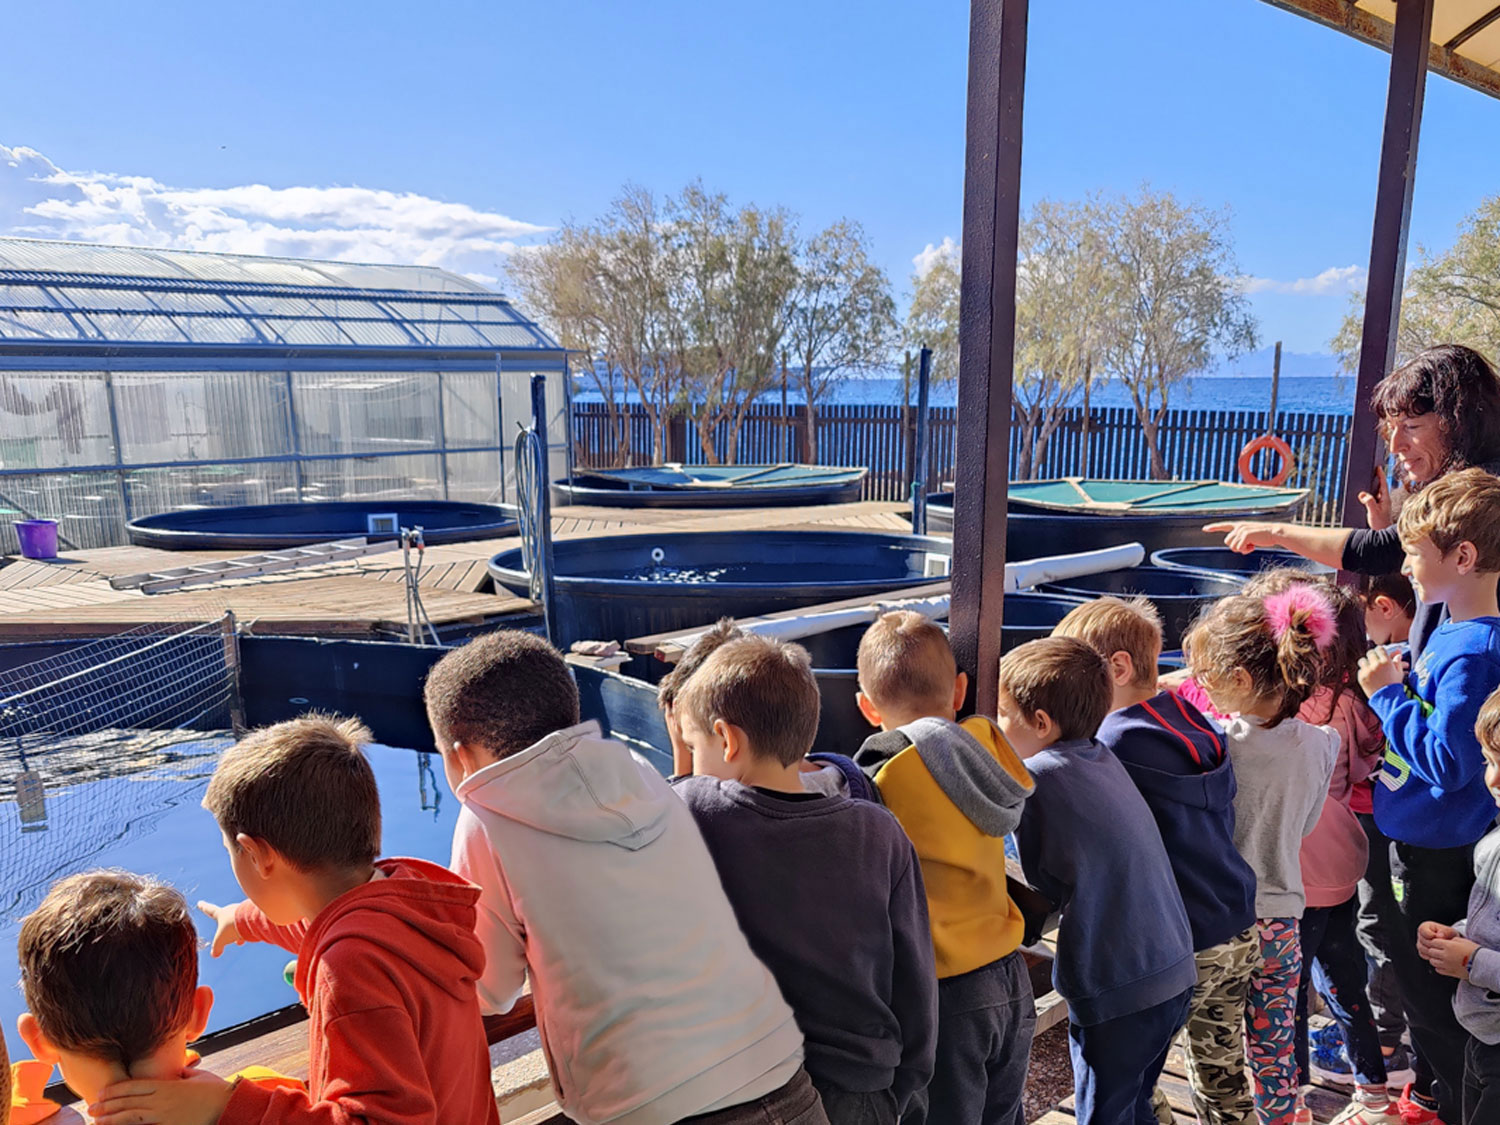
(1452, 297)
(737, 271)
(1062, 308)
(557, 280)
(932, 320)
(1170, 271)
(841, 316)
(604, 290)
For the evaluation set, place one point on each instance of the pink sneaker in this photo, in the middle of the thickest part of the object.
(1413, 1112)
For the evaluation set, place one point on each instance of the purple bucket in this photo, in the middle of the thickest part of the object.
(38, 538)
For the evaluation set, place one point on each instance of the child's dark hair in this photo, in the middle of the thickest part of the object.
(1275, 639)
(305, 788)
(1063, 677)
(705, 646)
(109, 965)
(501, 692)
(1342, 656)
(1395, 586)
(764, 687)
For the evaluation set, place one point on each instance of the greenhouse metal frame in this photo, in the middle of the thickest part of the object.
(138, 380)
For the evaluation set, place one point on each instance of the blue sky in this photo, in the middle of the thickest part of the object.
(456, 134)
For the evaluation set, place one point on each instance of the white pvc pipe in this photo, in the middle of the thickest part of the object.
(1018, 576)
(1034, 572)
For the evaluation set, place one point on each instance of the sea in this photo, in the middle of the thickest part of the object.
(1312, 383)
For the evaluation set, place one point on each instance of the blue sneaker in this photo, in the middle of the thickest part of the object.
(1328, 1061)
(1329, 1037)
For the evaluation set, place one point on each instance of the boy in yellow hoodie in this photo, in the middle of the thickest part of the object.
(957, 789)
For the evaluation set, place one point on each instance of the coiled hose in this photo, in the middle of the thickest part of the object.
(530, 475)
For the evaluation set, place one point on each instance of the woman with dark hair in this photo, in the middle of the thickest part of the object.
(1439, 413)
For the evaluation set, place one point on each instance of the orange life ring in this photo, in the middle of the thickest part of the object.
(1275, 445)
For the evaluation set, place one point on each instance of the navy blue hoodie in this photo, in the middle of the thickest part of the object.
(1087, 842)
(1176, 757)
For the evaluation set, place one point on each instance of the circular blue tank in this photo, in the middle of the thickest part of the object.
(713, 486)
(1177, 594)
(1033, 534)
(1223, 563)
(270, 527)
(619, 587)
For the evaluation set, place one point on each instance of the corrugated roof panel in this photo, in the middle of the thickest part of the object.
(25, 297)
(135, 327)
(377, 333)
(317, 333)
(132, 261)
(36, 324)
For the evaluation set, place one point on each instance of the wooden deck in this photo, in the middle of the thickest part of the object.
(1325, 1102)
(363, 597)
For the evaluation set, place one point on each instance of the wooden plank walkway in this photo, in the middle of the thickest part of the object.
(359, 597)
(1324, 1101)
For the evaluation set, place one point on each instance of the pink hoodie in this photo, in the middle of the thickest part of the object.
(1334, 856)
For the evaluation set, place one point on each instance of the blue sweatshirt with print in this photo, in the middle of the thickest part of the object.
(1430, 790)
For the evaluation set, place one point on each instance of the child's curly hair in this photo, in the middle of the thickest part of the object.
(1281, 640)
(1341, 658)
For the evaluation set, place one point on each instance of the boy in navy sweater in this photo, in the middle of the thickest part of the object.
(1432, 800)
(827, 889)
(1089, 843)
(1177, 759)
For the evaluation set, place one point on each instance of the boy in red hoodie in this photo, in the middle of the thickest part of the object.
(386, 953)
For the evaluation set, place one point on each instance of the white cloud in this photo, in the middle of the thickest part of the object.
(1333, 280)
(39, 199)
(931, 255)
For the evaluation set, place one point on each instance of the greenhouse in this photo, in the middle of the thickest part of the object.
(135, 381)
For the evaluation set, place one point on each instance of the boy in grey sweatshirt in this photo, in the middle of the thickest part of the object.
(1470, 950)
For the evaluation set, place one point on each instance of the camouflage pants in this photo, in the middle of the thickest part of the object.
(1216, 1032)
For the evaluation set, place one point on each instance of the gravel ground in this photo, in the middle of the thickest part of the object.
(1050, 1077)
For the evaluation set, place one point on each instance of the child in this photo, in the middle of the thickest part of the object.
(1335, 856)
(1259, 659)
(1089, 843)
(845, 936)
(386, 953)
(1389, 606)
(700, 650)
(833, 775)
(957, 789)
(1178, 760)
(1432, 799)
(109, 965)
(596, 883)
(1471, 953)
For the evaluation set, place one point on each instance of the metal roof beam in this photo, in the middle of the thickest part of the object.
(1473, 29)
(1343, 15)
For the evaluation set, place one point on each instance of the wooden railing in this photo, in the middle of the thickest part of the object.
(1195, 445)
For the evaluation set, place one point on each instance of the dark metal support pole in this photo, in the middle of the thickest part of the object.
(1275, 389)
(544, 501)
(987, 319)
(1398, 168)
(919, 463)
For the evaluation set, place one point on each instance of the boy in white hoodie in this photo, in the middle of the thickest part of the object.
(595, 881)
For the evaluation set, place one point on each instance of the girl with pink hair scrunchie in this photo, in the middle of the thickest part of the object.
(1258, 659)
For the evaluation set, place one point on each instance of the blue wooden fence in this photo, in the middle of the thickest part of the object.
(1195, 444)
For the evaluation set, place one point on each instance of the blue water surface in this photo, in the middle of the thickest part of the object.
(150, 821)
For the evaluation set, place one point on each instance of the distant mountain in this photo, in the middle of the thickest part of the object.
(1258, 365)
